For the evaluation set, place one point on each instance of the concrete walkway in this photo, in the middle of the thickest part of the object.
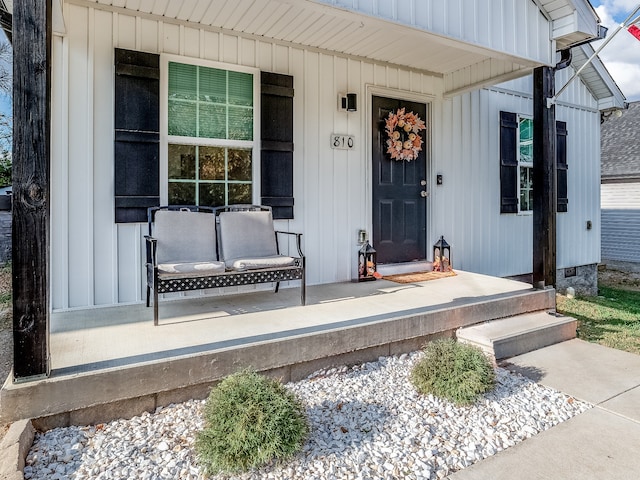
(602, 443)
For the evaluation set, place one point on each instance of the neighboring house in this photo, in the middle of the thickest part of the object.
(195, 86)
(620, 190)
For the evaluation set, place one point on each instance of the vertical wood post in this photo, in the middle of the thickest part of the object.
(31, 161)
(544, 179)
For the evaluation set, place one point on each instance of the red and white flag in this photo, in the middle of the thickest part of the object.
(634, 30)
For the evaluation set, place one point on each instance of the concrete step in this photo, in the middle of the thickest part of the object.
(519, 334)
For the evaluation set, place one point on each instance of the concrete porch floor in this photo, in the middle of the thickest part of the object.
(112, 362)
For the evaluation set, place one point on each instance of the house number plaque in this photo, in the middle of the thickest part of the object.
(343, 142)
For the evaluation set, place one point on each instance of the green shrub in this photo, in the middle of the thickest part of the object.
(5, 169)
(249, 421)
(455, 371)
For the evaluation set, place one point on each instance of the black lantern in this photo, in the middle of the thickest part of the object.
(367, 266)
(441, 256)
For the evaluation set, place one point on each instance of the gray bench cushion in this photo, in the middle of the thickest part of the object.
(191, 269)
(247, 235)
(185, 237)
(272, 261)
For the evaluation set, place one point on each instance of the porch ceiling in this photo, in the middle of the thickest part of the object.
(327, 28)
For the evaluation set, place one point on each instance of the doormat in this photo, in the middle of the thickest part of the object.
(418, 276)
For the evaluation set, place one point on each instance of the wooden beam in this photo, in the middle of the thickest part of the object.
(544, 179)
(31, 161)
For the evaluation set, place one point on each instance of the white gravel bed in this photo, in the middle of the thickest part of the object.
(367, 422)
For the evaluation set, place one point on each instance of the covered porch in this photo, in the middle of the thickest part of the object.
(112, 362)
(75, 254)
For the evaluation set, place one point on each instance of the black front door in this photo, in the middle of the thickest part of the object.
(399, 207)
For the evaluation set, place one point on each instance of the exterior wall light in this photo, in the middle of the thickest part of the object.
(348, 102)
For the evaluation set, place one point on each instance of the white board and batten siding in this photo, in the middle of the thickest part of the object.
(466, 207)
(98, 262)
(621, 221)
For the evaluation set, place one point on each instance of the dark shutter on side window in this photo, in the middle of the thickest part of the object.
(276, 132)
(508, 162)
(561, 165)
(137, 134)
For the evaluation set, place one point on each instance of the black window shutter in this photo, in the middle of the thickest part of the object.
(137, 134)
(508, 162)
(276, 132)
(561, 165)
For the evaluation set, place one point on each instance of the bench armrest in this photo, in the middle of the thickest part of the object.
(298, 240)
(152, 248)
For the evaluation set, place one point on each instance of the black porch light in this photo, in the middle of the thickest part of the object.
(367, 265)
(441, 256)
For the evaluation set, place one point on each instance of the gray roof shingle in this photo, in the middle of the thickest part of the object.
(620, 144)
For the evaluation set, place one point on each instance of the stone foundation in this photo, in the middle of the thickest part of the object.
(585, 281)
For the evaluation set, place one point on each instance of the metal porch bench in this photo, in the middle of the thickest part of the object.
(196, 248)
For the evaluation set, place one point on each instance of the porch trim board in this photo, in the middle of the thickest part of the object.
(98, 393)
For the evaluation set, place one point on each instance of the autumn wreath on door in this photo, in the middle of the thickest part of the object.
(403, 131)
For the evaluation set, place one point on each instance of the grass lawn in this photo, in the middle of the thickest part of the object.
(611, 319)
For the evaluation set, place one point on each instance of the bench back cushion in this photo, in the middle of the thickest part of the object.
(185, 236)
(246, 234)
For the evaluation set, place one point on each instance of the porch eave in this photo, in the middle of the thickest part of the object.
(348, 33)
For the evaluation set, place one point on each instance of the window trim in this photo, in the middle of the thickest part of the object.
(166, 139)
(523, 164)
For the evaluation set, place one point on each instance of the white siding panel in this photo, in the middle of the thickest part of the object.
(312, 209)
(576, 244)
(517, 28)
(104, 248)
(327, 251)
(248, 52)
(298, 68)
(621, 221)
(191, 42)
(265, 56)
(281, 58)
(148, 35)
(130, 262)
(79, 163)
(126, 31)
(406, 13)
(171, 38)
(229, 49)
(211, 49)
(59, 176)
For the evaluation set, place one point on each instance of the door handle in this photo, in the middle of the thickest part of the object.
(424, 194)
